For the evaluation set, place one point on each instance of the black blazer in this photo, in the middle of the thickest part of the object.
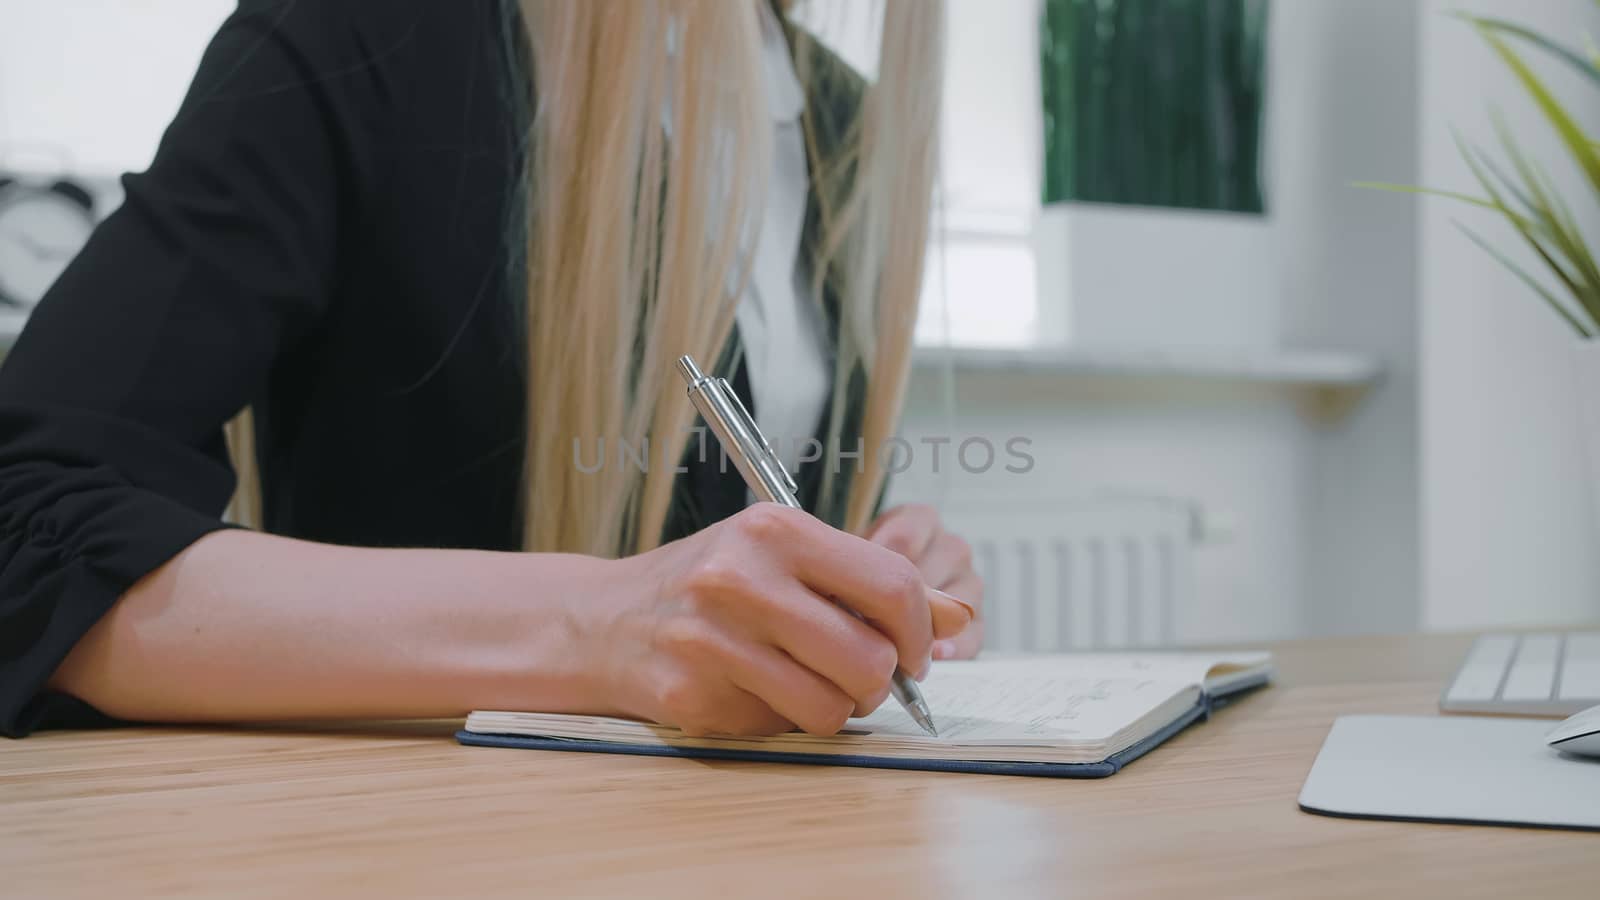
(322, 236)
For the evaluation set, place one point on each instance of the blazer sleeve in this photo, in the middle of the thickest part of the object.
(168, 323)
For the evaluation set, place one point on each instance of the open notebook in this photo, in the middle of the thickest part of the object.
(1073, 715)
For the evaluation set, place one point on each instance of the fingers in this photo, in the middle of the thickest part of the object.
(723, 681)
(964, 644)
(816, 633)
(950, 615)
(948, 567)
(701, 703)
(879, 584)
(793, 691)
(914, 531)
(739, 713)
(946, 558)
(694, 687)
(908, 530)
(758, 629)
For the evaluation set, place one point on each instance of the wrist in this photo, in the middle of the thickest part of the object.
(608, 634)
(541, 643)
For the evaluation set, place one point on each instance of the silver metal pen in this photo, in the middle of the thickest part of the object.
(734, 427)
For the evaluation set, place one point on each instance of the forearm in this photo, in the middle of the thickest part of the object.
(244, 626)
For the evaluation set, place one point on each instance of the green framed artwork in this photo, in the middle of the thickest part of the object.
(1154, 102)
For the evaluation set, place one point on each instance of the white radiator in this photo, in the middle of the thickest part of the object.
(1080, 575)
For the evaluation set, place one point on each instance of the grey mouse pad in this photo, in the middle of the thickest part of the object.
(1457, 769)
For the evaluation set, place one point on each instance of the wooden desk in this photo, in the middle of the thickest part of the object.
(403, 811)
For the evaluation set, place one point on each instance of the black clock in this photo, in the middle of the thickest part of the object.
(43, 225)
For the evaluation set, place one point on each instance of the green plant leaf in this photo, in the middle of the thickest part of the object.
(1517, 191)
(1425, 191)
(1526, 197)
(1530, 230)
(1578, 144)
(1555, 222)
(1512, 215)
(1569, 223)
(1587, 66)
(1578, 249)
(1529, 280)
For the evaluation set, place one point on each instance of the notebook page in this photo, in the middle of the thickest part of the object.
(1190, 668)
(1065, 708)
(1024, 702)
(1218, 672)
(1004, 714)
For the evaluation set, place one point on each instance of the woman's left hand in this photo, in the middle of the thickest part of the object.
(945, 560)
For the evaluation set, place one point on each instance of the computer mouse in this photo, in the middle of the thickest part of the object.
(1579, 735)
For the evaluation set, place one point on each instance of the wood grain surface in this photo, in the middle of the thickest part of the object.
(400, 810)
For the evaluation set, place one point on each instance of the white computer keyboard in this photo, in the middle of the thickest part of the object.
(1527, 675)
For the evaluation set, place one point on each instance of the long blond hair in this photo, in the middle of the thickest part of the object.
(647, 155)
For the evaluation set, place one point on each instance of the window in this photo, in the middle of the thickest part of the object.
(980, 287)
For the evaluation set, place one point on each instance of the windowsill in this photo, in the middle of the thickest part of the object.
(1326, 383)
(1307, 368)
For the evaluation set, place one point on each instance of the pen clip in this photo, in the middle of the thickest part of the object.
(772, 460)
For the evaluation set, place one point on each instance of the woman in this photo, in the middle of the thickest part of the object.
(445, 252)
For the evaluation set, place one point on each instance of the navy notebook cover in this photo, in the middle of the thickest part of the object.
(1110, 766)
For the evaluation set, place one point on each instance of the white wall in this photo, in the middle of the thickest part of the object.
(1142, 277)
(87, 86)
(1343, 108)
(1508, 531)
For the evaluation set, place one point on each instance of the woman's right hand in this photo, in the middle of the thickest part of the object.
(742, 628)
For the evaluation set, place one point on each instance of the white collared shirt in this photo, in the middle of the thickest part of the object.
(780, 327)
